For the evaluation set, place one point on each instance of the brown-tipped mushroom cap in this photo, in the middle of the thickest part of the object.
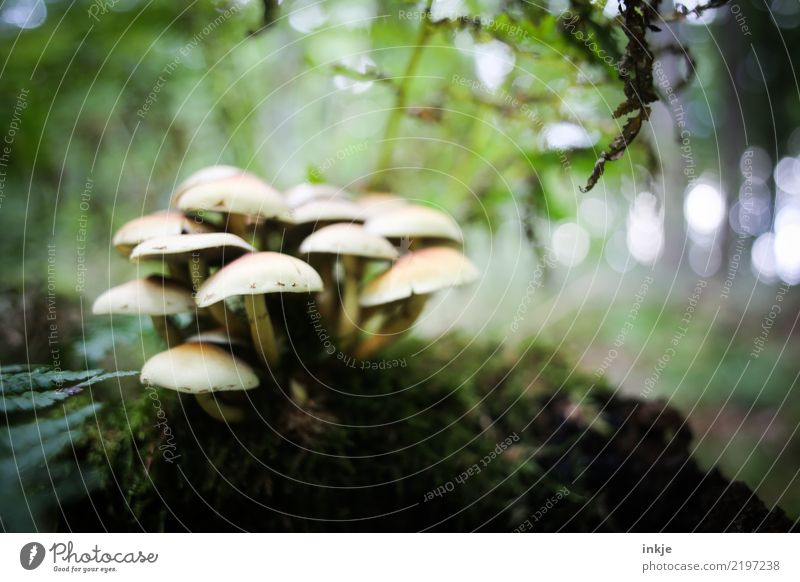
(328, 211)
(348, 239)
(413, 221)
(154, 295)
(301, 194)
(214, 244)
(419, 273)
(198, 368)
(239, 194)
(207, 174)
(376, 203)
(165, 223)
(258, 274)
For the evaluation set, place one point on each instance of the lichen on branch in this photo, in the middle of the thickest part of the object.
(637, 18)
(636, 73)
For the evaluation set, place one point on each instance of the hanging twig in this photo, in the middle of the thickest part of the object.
(636, 73)
(401, 96)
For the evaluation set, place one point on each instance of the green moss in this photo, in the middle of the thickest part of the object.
(431, 441)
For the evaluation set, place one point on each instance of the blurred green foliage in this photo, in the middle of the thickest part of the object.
(121, 106)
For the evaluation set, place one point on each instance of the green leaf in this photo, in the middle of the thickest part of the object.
(36, 453)
(31, 401)
(102, 378)
(32, 444)
(41, 386)
(41, 378)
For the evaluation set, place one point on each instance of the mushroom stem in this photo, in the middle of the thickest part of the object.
(261, 329)
(269, 236)
(237, 224)
(198, 270)
(264, 238)
(389, 331)
(371, 319)
(180, 271)
(326, 297)
(166, 329)
(219, 411)
(232, 324)
(349, 315)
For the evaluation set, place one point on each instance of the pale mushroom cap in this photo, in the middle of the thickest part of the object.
(328, 211)
(221, 243)
(165, 223)
(419, 273)
(216, 336)
(301, 194)
(239, 194)
(154, 295)
(197, 368)
(207, 174)
(412, 221)
(257, 274)
(349, 239)
(376, 203)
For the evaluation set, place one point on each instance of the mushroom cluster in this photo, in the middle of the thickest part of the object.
(230, 240)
